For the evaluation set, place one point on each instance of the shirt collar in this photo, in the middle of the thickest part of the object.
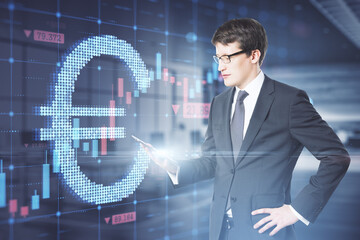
(253, 88)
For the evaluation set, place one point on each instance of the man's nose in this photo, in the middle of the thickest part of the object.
(221, 66)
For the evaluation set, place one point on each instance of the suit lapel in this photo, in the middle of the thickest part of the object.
(226, 113)
(262, 107)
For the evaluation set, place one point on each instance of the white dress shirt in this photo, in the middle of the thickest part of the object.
(253, 89)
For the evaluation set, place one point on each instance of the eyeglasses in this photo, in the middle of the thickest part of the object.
(227, 58)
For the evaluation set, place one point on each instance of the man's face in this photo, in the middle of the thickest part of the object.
(238, 71)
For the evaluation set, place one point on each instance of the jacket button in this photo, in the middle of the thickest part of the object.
(232, 171)
(233, 199)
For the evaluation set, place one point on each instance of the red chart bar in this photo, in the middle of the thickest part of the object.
(112, 120)
(103, 141)
(166, 74)
(128, 97)
(13, 206)
(24, 211)
(186, 90)
(172, 79)
(120, 87)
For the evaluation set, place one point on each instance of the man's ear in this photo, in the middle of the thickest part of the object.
(255, 56)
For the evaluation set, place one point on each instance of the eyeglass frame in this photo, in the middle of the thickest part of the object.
(217, 59)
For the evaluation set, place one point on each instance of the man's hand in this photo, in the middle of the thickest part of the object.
(163, 161)
(281, 217)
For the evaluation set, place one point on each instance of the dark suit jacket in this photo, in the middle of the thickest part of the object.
(283, 122)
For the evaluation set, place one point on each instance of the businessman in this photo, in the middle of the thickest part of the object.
(256, 131)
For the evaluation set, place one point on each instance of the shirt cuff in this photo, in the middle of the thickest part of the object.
(174, 177)
(301, 218)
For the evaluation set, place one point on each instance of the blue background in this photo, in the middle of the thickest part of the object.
(306, 50)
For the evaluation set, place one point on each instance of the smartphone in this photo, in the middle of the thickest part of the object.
(141, 141)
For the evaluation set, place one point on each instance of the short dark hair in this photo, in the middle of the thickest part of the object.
(248, 32)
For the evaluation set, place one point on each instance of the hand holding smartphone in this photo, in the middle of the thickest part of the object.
(161, 160)
(144, 143)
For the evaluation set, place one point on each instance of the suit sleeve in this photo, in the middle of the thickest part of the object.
(308, 128)
(202, 168)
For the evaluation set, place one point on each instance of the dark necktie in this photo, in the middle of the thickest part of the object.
(237, 129)
(237, 124)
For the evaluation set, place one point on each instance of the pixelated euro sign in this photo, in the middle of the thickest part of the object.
(60, 111)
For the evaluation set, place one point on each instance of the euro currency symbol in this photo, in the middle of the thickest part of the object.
(60, 112)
